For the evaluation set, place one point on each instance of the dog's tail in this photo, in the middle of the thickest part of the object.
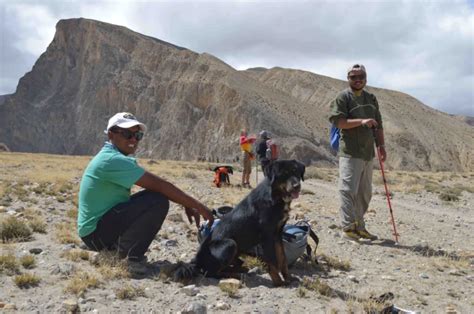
(185, 271)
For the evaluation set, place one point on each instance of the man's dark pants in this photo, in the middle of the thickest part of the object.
(130, 227)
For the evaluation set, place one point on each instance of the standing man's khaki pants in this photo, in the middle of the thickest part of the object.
(355, 190)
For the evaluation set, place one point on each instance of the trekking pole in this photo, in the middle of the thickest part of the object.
(385, 184)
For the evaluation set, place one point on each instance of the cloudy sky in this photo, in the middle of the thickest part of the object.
(423, 48)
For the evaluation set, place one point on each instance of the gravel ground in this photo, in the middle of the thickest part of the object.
(430, 269)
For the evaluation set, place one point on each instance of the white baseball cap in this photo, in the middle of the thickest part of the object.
(125, 120)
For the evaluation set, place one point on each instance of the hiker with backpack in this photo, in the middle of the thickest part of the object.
(356, 112)
(109, 218)
(267, 150)
(262, 150)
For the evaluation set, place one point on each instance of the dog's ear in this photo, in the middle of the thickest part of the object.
(301, 169)
(272, 171)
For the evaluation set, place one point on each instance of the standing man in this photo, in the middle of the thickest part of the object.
(356, 112)
(109, 218)
(261, 150)
(247, 157)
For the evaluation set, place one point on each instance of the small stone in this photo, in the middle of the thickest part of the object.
(332, 226)
(71, 305)
(175, 217)
(195, 308)
(455, 272)
(170, 243)
(94, 258)
(190, 290)
(388, 278)
(9, 306)
(424, 276)
(222, 306)
(36, 251)
(352, 278)
(229, 284)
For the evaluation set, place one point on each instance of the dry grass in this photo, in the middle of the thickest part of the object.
(28, 261)
(76, 255)
(252, 262)
(66, 233)
(325, 174)
(373, 306)
(129, 292)
(334, 263)
(25, 281)
(450, 262)
(41, 168)
(37, 224)
(110, 266)
(82, 281)
(9, 264)
(318, 286)
(434, 182)
(14, 229)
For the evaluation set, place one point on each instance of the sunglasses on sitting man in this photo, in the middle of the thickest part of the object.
(360, 77)
(127, 134)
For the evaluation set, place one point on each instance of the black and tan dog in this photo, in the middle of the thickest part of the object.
(257, 220)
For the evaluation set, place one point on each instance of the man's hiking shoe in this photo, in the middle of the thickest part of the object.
(351, 235)
(364, 234)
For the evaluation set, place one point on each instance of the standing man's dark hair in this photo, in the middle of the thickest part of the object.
(109, 218)
(356, 112)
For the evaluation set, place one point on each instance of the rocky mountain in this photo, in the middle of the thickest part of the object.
(195, 105)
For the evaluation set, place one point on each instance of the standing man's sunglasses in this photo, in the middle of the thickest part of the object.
(360, 77)
(127, 134)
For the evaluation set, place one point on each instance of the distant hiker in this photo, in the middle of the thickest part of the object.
(356, 112)
(109, 217)
(221, 175)
(262, 150)
(247, 157)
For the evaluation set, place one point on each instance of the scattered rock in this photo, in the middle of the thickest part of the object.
(195, 308)
(9, 306)
(35, 251)
(222, 306)
(190, 290)
(71, 305)
(229, 284)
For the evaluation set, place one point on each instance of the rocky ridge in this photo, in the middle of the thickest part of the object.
(195, 105)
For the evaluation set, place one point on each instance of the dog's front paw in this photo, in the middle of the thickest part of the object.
(290, 278)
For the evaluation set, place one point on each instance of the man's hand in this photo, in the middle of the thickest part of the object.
(196, 215)
(370, 123)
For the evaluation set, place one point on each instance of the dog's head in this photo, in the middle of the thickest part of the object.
(285, 177)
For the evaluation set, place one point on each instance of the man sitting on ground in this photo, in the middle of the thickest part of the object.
(109, 218)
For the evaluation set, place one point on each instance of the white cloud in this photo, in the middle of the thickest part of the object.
(36, 29)
(422, 48)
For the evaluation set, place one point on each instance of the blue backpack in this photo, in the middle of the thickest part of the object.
(334, 137)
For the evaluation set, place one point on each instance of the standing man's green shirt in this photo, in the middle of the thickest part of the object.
(356, 142)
